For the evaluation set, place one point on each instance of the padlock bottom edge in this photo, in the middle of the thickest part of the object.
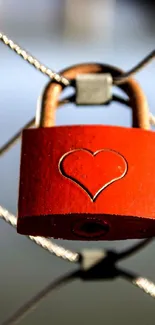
(87, 227)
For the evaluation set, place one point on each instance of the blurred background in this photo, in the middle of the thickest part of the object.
(61, 33)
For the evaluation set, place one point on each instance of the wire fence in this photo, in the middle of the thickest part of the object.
(92, 264)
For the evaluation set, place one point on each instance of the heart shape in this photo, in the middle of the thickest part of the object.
(93, 171)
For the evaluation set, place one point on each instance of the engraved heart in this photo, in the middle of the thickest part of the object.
(93, 171)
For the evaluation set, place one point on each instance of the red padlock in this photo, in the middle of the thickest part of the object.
(88, 182)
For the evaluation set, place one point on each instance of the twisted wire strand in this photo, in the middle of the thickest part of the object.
(135, 248)
(146, 285)
(33, 61)
(28, 307)
(12, 141)
(142, 64)
(45, 243)
(59, 78)
(142, 283)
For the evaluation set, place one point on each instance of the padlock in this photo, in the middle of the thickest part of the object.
(88, 182)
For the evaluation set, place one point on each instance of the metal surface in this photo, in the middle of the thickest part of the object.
(93, 89)
(138, 100)
(117, 80)
(45, 243)
(91, 257)
(94, 265)
(32, 60)
(114, 302)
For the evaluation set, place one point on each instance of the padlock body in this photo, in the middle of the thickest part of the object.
(87, 183)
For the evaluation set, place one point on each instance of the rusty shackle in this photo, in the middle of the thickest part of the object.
(138, 101)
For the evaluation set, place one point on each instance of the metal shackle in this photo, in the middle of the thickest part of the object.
(137, 98)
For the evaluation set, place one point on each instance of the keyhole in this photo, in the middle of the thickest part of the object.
(90, 228)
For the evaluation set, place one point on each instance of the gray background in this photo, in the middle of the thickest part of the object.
(59, 34)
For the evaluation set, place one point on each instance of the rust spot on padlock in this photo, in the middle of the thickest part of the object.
(111, 199)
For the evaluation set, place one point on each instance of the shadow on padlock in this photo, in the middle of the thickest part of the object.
(88, 182)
